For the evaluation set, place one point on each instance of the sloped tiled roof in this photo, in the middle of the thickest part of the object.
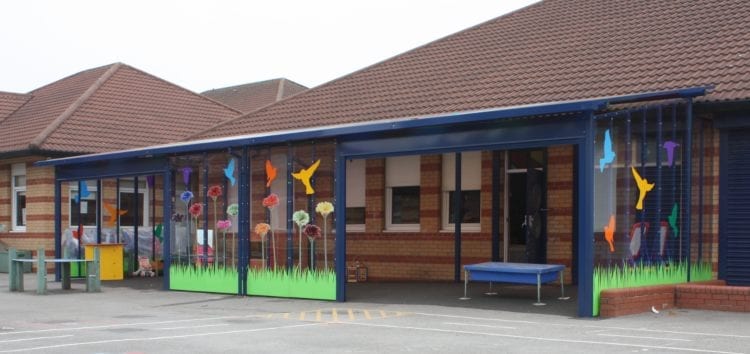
(250, 97)
(108, 108)
(555, 50)
(10, 102)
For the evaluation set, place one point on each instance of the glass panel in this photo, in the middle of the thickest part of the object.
(127, 202)
(88, 209)
(20, 208)
(405, 205)
(470, 204)
(19, 181)
(355, 215)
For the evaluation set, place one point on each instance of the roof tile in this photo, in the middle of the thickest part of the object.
(554, 50)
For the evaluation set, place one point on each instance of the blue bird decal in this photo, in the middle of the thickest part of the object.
(229, 172)
(670, 145)
(672, 219)
(84, 193)
(609, 153)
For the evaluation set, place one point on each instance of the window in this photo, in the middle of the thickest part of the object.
(402, 193)
(471, 185)
(87, 204)
(18, 202)
(355, 195)
(127, 202)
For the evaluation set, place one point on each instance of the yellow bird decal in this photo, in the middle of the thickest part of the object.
(304, 176)
(609, 233)
(113, 214)
(643, 187)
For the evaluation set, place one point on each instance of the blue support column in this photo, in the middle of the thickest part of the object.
(496, 206)
(117, 204)
(457, 215)
(244, 191)
(99, 198)
(168, 192)
(339, 259)
(203, 251)
(688, 161)
(585, 221)
(58, 225)
(136, 213)
(289, 208)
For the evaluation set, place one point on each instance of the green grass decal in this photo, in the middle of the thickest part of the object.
(306, 284)
(203, 279)
(645, 275)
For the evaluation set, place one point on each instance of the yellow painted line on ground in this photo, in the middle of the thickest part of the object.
(302, 316)
(318, 315)
(382, 313)
(367, 314)
(351, 314)
(335, 315)
(286, 315)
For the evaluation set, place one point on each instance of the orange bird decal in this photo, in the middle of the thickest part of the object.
(113, 214)
(643, 187)
(609, 233)
(270, 173)
(304, 176)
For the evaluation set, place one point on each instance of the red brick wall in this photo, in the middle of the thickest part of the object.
(713, 297)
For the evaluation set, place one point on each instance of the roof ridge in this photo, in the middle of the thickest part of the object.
(69, 76)
(182, 88)
(280, 90)
(247, 84)
(37, 142)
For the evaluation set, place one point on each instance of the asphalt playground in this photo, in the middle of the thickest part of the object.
(136, 316)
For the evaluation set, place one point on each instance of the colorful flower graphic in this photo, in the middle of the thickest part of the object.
(196, 210)
(324, 208)
(214, 192)
(271, 201)
(224, 225)
(186, 196)
(233, 209)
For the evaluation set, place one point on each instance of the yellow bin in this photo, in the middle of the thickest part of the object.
(110, 259)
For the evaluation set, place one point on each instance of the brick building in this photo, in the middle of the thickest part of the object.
(603, 136)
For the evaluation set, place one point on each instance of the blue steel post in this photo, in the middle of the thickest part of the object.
(688, 160)
(117, 203)
(457, 215)
(58, 225)
(289, 208)
(585, 221)
(137, 207)
(496, 206)
(244, 219)
(659, 140)
(99, 210)
(167, 230)
(701, 154)
(339, 259)
(203, 252)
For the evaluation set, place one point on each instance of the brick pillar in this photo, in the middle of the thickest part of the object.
(375, 195)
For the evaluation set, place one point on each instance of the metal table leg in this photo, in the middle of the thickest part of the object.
(562, 288)
(466, 285)
(539, 290)
(490, 292)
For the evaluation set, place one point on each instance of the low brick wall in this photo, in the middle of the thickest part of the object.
(628, 301)
(713, 297)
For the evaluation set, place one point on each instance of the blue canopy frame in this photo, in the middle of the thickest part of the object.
(529, 126)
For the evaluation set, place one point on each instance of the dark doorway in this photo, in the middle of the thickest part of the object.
(527, 206)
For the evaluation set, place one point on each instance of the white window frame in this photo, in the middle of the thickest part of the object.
(144, 194)
(18, 169)
(400, 171)
(73, 187)
(356, 176)
(471, 180)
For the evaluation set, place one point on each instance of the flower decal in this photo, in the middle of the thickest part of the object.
(196, 210)
(186, 196)
(233, 209)
(224, 224)
(324, 208)
(271, 201)
(177, 217)
(214, 191)
(301, 218)
(262, 229)
(312, 231)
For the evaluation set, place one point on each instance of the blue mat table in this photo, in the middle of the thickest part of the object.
(519, 273)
